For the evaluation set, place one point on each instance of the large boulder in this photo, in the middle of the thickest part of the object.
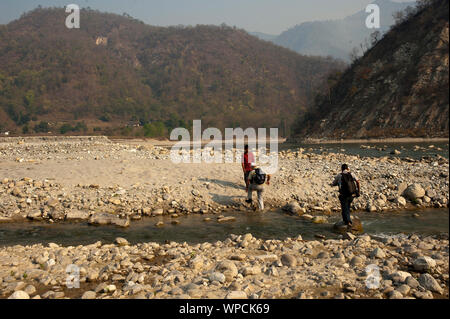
(228, 268)
(357, 261)
(19, 294)
(428, 282)
(35, 214)
(217, 276)
(424, 264)
(341, 228)
(158, 212)
(56, 214)
(197, 263)
(52, 203)
(101, 219)
(77, 215)
(236, 295)
(400, 276)
(254, 270)
(89, 295)
(378, 253)
(108, 219)
(17, 192)
(226, 219)
(319, 220)
(400, 201)
(395, 294)
(401, 188)
(430, 193)
(293, 208)
(412, 282)
(288, 260)
(121, 241)
(121, 222)
(414, 191)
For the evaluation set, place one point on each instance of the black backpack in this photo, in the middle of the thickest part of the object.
(259, 178)
(348, 186)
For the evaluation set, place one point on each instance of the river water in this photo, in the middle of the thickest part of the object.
(376, 149)
(193, 228)
(415, 150)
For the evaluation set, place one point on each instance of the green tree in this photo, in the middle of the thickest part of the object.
(156, 129)
(42, 127)
(65, 128)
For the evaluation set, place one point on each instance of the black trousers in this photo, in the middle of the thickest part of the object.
(346, 201)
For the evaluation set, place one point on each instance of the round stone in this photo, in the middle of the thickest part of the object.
(19, 294)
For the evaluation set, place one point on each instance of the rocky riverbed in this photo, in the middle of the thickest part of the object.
(105, 182)
(238, 267)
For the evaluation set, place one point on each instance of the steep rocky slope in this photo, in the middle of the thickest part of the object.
(398, 88)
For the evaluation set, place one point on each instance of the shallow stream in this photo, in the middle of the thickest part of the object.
(193, 228)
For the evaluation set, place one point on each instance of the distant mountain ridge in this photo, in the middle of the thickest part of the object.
(264, 36)
(336, 38)
(399, 88)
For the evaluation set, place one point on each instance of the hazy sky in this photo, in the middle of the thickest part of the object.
(268, 16)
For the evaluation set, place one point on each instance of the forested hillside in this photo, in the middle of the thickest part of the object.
(115, 70)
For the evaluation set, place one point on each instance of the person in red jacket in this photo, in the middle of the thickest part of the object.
(247, 160)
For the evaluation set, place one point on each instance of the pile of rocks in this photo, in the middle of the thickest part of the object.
(35, 149)
(47, 200)
(239, 267)
(386, 183)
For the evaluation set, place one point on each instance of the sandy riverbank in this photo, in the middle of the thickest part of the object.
(54, 179)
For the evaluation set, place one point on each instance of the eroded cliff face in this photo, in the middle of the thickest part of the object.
(398, 88)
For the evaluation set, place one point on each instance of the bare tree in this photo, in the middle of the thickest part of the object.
(421, 4)
(354, 55)
(374, 38)
(410, 11)
(398, 16)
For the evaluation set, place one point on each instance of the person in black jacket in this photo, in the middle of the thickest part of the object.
(349, 188)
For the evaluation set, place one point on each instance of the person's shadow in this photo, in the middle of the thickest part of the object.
(223, 183)
(226, 199)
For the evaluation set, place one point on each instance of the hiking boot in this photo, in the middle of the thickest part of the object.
(248, 201)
